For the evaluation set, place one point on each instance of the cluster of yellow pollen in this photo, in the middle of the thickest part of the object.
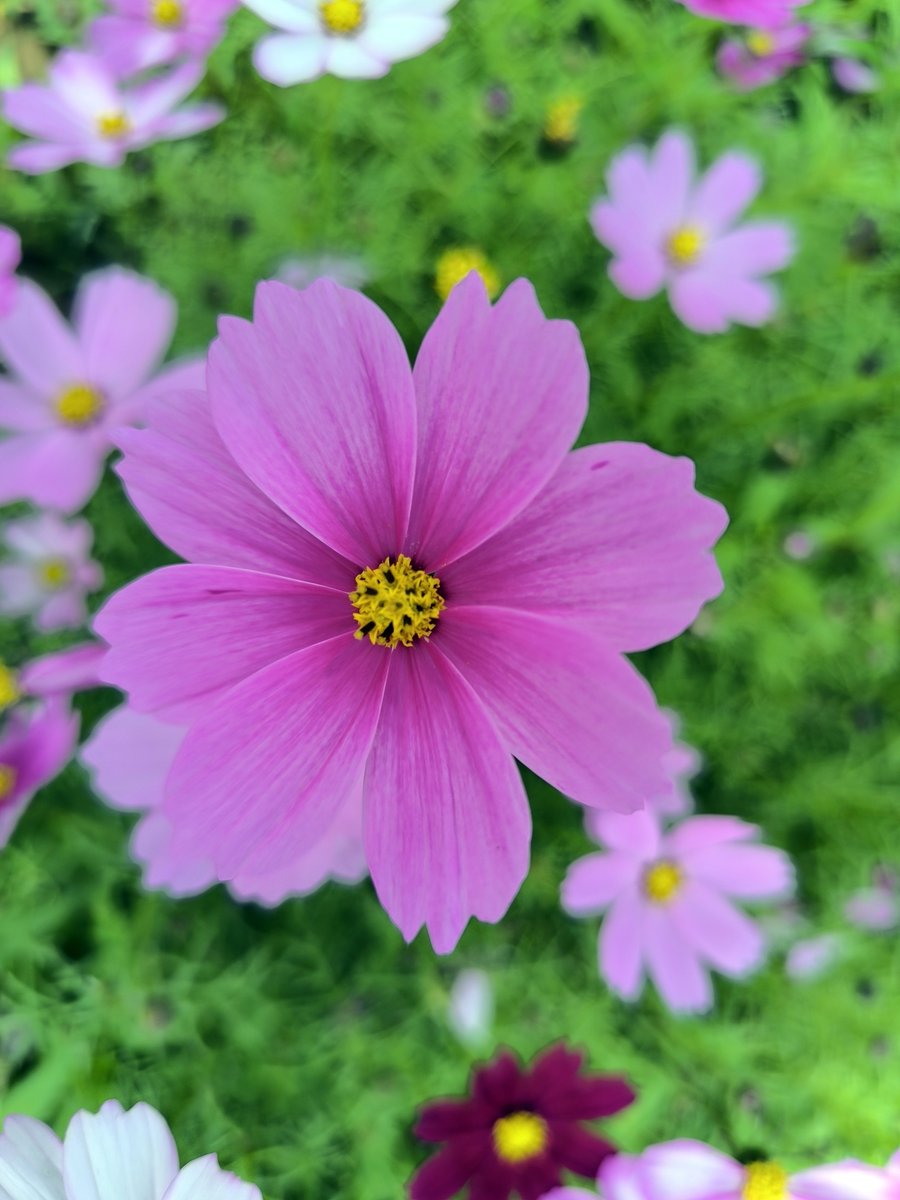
(78, 404)
(760, 43)
(662, 882)
(396, 603)
(342, 17)
(54, 573)
(167, 13)
(765, 1181)
(561, 123)
(9, 687)
(8, 777)
(455, 264)
(520, 1136)
(685, 245)
(113, 125)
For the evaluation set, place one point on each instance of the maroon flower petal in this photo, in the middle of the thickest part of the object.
(577, 1149)
(592, 1098)
(499, 1085)
(495, 1181)
(450, 1169)
(447, 1118)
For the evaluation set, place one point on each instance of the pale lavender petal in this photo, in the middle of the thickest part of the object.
(673, 964)
(672, 170)
(593, 882)
(812, 957)
(708, 299)
(688, 1170)
(746, 872)
(756, 248)
(22, 411)
(621, 1177)
(30, 1161)
(149, 102)
(844, 1181)
(64, 611)
(176, 871)
(58, 469)
(637, 834)
(393, 38)
(621, 956)
(873, 908)
(39, 112)
(116, 1155)
(640, 273)
(128, 756)
(38, 158)
(699, 833)
(715, 930)
(204, 1179)
(64, 671)
(723, 193)
(193, 118)
(38, 346)
(286, 59)
(84, 83)
(854, 76)
(348, 58)
(20, 592)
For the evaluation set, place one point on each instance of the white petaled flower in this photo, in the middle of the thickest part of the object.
(471, 1008)
(48, 571)
(109, 1155)
(357, 39)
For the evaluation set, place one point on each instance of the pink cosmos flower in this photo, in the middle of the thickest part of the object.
(401, 579)
(70, 389)
(688, 1170)
(36, 742)
(757, 14)
(851, 75)
(670, 896)
(762, 56)
(681, 764)
(130, 754)
(85, 115)
(10, 257)
(667, 229)
(811, 957)
(876, 907)
(50, 572)
(137, 34)
(63, 672)
(357, 39)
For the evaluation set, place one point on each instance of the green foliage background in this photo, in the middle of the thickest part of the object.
(297, 1043)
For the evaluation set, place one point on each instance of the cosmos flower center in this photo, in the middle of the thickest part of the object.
(396, 603)
(8, 776)
(79, 405)
(342, 17)
(765, 1181)
(520, 1136)
(9, 688)
(167, 13)
(662, 882)
(455, 264)
(54, 573)
(561, 124)
(685, 245)
(760, 44)
(113, 125)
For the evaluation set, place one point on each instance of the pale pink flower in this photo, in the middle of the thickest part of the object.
(811, 957)
(762, 55)
(136, 34)
(83, 114)
(324, 476)
(876, 907)
(63, 672)
(851, 75)
(470, 1010)
(681, 764)
(69, 389)
(36, 742)
(757, 14)
(10, 257)
(48, 571)
(669, 897)
(668, 229)
(130, 754)
(357, 39)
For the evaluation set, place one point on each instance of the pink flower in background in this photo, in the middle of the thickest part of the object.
(757, 14)
(129, 756)
(762, 55)
(36, 742)
(84, 115)
(49, 571)
(876, 907)
(669, 897)
(10, 257)
(809, 958)
(413, 573)
(70, 389)
(667, 229)
(136, 34)
(681, 764)
(851, 75)
(357, 39)
(64, 671)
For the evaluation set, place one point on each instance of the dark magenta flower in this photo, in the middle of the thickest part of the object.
(519, 1129)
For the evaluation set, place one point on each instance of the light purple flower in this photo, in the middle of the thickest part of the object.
(357, 39)
(800, 545)
(49, 571)
(667, 229)
(876, 907)
(762, 55)
(107, 1156)
(669, 897)
(854, 76)
(85, 115)
(129, 756)
(69, 389)
(137, 34)
(10, 257)
(757, 14)
(811, 957)
(36, 742)
(681, 764)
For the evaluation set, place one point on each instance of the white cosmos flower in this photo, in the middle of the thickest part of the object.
(358, 39)
(109, 1155)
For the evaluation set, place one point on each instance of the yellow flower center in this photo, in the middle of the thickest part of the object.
(342, 16)
(662, 882)
(520, 1136)
(395, 603)
(455, 264)
(79, 405)
(167, 13)
(684, 245)
(54, 573)
(113, 125)
(760, 43)
(765, 1181)
(9, 687)
(561, 124)
(7, 780)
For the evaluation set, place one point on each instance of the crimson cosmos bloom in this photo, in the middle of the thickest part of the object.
(519, 1130)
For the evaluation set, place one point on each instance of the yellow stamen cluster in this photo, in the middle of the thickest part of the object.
(342, 17)
(765, 1181)
(396, 603)
(167, 13)
(8, 776)
(662, 882)
(520, 1136)
(9, 687)
(561, 123)
(455, 264)
(79, 405)
(685, 245)
(113, 125)
(760, 44)
(54, 573)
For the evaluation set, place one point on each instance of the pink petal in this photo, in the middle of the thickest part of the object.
(149, 102)
(286, 59)
(844, 1181)
(196, 499)
(55, 469)
(315, 402)
(38, 111)
(84, 84)
(701, 300)
(639, 274)
(21, 410)
(64, 611)
(636, 834)
(181, 635)
(755, 249)
(618, 540)
(715, 930)
(593, 882)
(394, 38)
(620, 946)
(447, 826)
(193, 118)
(687, 1170)
(38, 346)
(746, 872)
(571, 710)
(873, 908)
(204, 1179)
(347, 58)
(164, 870)
(502, 394)
(113, 1153)
(673, 964)
(124, 324)
(129, 755)
(672, 174)
(257, 792)
(64, 671)
(182, 375)
(724, 192)
(621, 1177)
(30, 1160)
(698, 833)
(36, 158)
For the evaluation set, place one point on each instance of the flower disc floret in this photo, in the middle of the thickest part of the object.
(765, 1181)
(79, 405)
(663, 881)
(167, 13)
(9, 687)
(113, 125)
(520, 1136)
(760, 43)
(396, 603)
(54, 573)
(8, 776)
(342, 17)
(685, 246)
